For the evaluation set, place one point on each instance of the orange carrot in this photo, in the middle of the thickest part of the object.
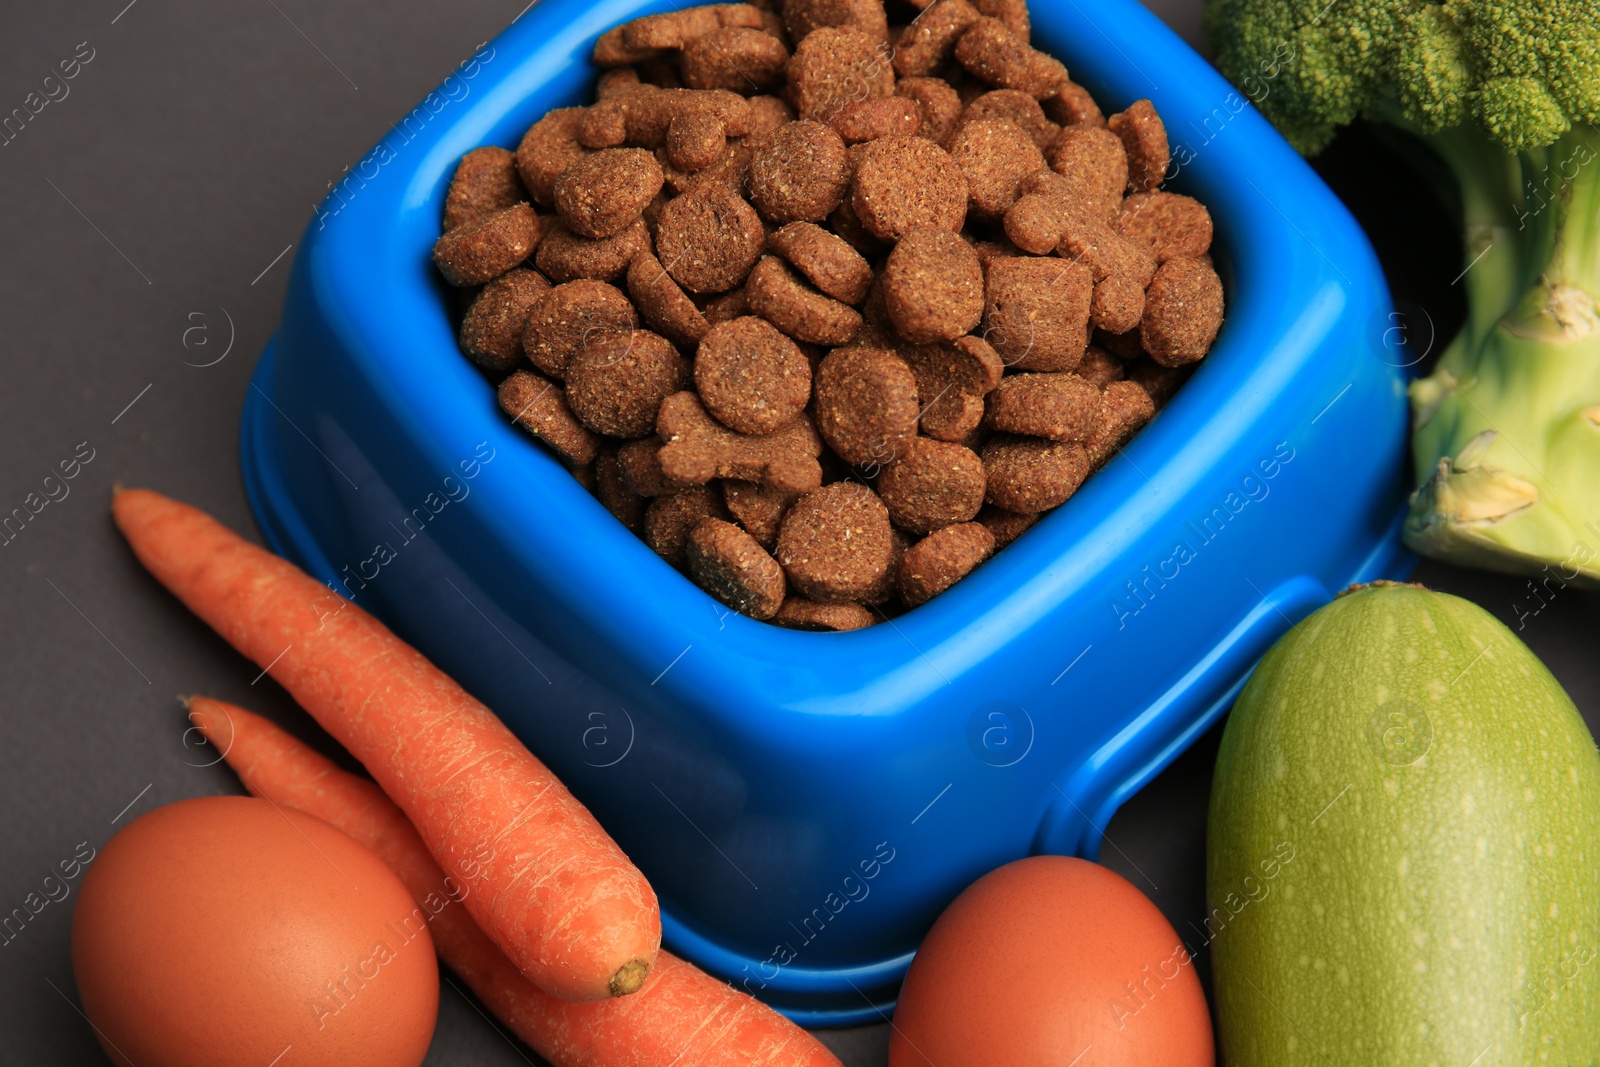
(542, 878)
(681, 1016)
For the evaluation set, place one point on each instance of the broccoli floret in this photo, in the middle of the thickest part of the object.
(1507, 93)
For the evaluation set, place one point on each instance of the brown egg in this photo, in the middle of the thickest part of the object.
(1051, 960)
(228, 932)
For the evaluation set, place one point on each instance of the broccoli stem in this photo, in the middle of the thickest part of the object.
(1508, 425)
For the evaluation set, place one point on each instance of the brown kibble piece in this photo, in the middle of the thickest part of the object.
(801, 17)
(728, 306)
(1105, 252)
(602, 193)
(725, 176)
(952, 380)
(617, 380)
(932, 484)
(836, 542)
(1062, 407)
(1071, 105)
(933, 286)
(1028, 475)
(1016, 106)
(605, 125)
(669, 520)
(767, 114)
(941, 105)
(564, 256)
(1100, 368)
(698, 448)
(1170, 223)
(1037, 221)
(695, 141)
(992, 53)
(728, 563)
(539, 406)
(612, 490)
(942, 559)
(487, 247)
(709, 240)
(568, 314)
(675, 29)
(612, 50)
(799, 173)
(848, 226)
(929, 42)
(1005, 526)
(801, 312)
(485, 182)
(1117, 304)
(994, 155)
(1124, 409)
(751, 377)
(878, 116)
(1014, 13)
(883, 592)
(736, 58)
(1182, 312)
(798, 613)
(1144, 136)
(664, 306)
(1095, 166)
(549, 146)
(835, 66)
(615, 82)
(826, 259)
(758, 509)
(1036, 312)
(1158, 381)
(641, 468)
(905, 182)
(491, 330)
(866, 404)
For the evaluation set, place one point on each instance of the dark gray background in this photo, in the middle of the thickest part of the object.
(155, 199)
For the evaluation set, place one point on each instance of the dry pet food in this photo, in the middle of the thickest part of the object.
(828, 309)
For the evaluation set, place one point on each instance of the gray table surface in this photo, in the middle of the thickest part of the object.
(148, 208)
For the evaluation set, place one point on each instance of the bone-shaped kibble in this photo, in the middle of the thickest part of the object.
(698, 448)
(642, 116)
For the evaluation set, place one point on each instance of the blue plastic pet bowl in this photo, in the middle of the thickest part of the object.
(806, 803)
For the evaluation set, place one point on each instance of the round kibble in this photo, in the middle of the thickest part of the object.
(565, 256)
(695, 140)
(708, 241)
(799, 173)
(1170, 223)
(801, 312)
(1062, 407)
(1182, 312)
(933, 286)
(835, 66)
(930, 40)
(1094, 164)
(866, 404)
(932, 484)
(546, 149)
(751, 377)
(1117, 304)
(994, 155)
(488, 246)
(1028, 475)
(941, 105)
(600, 194)
(737, 58)
(617, 380)
(798, 613)
(568, 314)
(836, 542)
(727, 563)
(1144, 137)
(1018, 107)
(905, 182)
(1036, 312)
(801, 17)
(992, 53)
(878, 116)
(1005, 526)
(491, 330)
(485, 182)
(539, 406)
(942, 559)
(826, 259)
(669, 520)
(664, 306)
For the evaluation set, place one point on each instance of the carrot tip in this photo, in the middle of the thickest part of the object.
(630, 978)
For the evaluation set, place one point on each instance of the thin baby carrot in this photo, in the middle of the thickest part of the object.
(681, 1016)
(547, 884)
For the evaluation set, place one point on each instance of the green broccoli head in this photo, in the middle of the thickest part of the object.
(1523, 72)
